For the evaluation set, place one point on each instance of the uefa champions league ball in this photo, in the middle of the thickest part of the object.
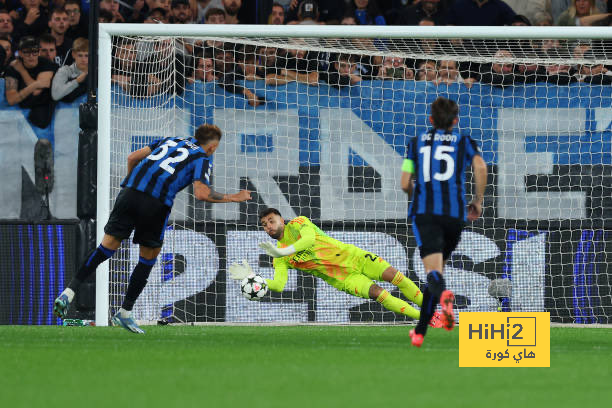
(253, 287)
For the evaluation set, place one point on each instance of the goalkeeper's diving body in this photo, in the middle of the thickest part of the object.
(302, 245)
(156, 173)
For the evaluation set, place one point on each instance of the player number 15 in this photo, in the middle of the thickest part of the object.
(441, 154)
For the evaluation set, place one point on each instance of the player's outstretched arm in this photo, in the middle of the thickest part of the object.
(281, 275)
(307, 239)
(479, 167)
(204, 193)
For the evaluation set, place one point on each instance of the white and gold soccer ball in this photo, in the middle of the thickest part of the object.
(253, 287)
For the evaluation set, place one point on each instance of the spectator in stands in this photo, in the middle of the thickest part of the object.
(520, 20)
(48, 49)
(247, 64)
(544, 19)
(480, 13)
(395, 68)
(70, 81)
(232, 8)
(557, 7)
(105, 16)
(204, 5)
(559, 73)
(123, 63)
(228, 73)
(349, 19)
(273, 64)
(427, 71)
(367, 12)
(58, 25)
(6, 24)
(529, 8)
(215, 16)
(32, 20)
(433, 9)
(307, 13)
(448, 72)
(7, 56)
(499, 73)
(581, 13)
(77, 22)
(113, 7)
(156, 16)
(343, 72)
(330, 11)
(277, 15)
(594, 74)
(27, 83)
(303, 66)
(180, 12)
(137, 13)
(205, 70)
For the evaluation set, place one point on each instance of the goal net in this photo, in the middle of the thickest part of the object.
(316, 121)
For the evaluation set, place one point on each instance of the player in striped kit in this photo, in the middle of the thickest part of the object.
(156, 173)
(433, 173)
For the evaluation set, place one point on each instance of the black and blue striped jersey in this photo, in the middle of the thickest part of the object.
(439, 160)
(173, 164)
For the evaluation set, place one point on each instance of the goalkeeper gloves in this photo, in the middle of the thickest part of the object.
(239, 271)
(276, 252)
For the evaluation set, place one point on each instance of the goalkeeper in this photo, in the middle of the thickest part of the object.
(302, 245)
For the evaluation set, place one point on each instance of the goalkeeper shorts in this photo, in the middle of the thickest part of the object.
(370, 268)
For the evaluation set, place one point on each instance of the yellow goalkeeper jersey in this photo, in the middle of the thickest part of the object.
(316, 253)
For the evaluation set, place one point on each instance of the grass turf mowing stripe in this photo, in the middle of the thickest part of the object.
(303, 366)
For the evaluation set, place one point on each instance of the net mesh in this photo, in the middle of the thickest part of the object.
(318, 127)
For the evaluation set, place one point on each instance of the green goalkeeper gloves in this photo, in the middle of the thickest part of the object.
(239, 271)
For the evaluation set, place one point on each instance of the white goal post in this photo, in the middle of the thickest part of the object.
(547, 228)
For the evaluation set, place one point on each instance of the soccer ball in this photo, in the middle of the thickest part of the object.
(254, 287)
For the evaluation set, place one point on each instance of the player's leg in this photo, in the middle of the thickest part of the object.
(138, 281)
(358, 284)
(119, 226)
(390, 302)
(378, 269)
(452, 235)
(430, 240)
(149, 234)
(404, 284)
(104, 251)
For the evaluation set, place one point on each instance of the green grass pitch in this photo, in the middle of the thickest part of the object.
(296, 366)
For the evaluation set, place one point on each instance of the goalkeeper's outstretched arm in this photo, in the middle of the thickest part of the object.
(281, 274)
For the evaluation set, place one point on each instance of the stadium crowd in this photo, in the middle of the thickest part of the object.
(44, 50)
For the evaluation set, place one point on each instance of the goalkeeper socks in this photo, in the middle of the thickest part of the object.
(95, 258)
(138, 281)
(396, 305)
(408, 288)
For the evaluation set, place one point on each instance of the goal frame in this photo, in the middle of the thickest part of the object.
(253, 31)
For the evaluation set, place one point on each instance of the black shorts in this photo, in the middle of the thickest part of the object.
(437, 233)
(135, 210)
